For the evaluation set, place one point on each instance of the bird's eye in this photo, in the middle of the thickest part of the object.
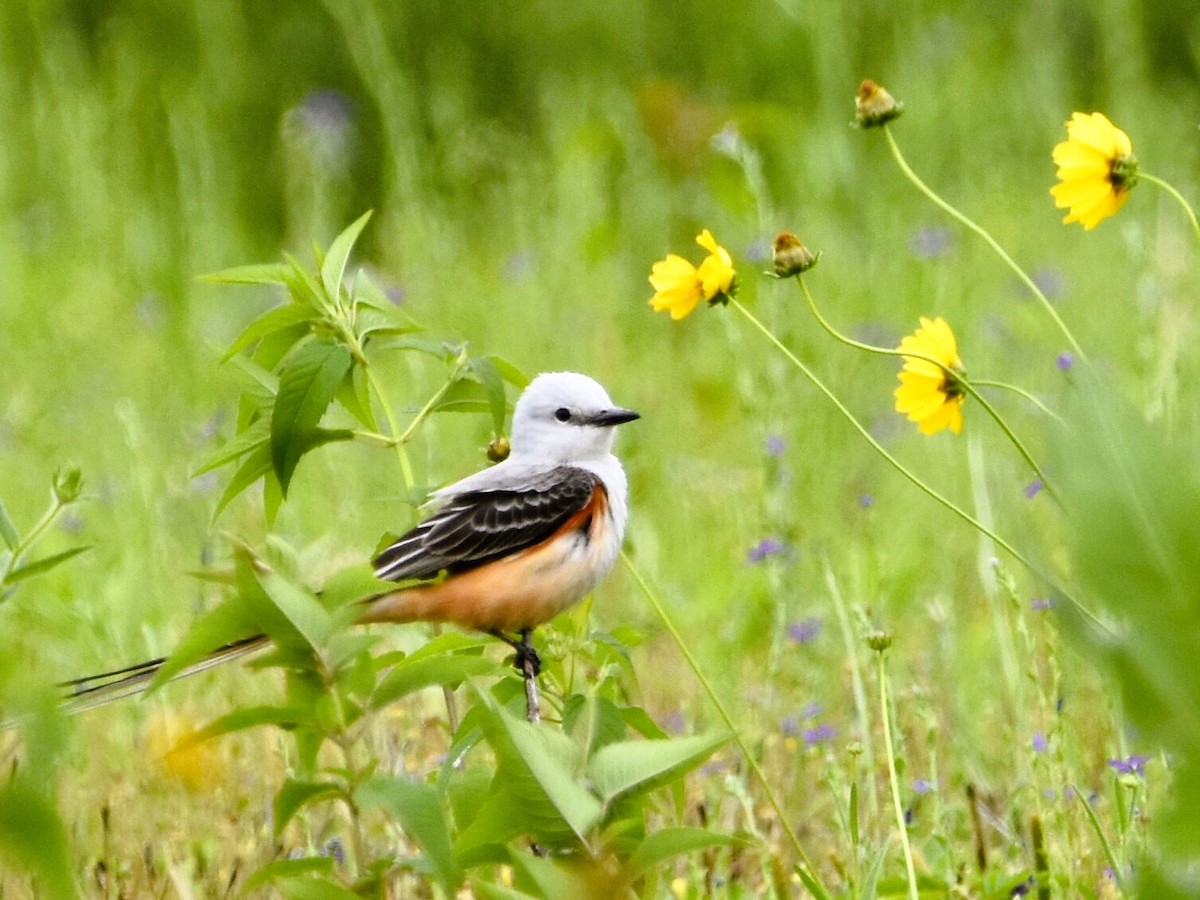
(562, 414)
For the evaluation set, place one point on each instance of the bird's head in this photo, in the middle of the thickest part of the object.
(565, 417)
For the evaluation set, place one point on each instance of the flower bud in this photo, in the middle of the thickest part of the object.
(68, 485)
(879, 641)
(874, 106)
(498, 449)
(790, 256)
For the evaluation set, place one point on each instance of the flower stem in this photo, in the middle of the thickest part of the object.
(31, 538)
(723, 712)
(988, 239)
(1179, 198)
(894, 778)
(899, 467)
(958, 377)
(1020, 392)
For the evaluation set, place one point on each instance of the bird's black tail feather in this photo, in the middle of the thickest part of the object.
(91, 691)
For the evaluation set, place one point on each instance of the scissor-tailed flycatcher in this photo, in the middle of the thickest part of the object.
(508, 548)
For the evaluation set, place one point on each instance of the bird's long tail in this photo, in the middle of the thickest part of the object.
(80, 694)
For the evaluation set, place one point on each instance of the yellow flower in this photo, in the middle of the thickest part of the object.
(929, 395)
(1096, 169)
(172, 749)
(679, 286)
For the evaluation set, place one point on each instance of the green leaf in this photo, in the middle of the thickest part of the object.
(593, 721)
(353, 584)
(266, 273)
(29, 570)
(500, 892)
(334, 265)
(32, 838)
(413, 674)
(550, 878)
(493, 387)
(463, 395)
(224, 624)
(295, 795)
(441, 350)
(538, 766)
(288, 869)
(299, 607)
(275, 319)
(418, 809)
(668, 843)
(304, 288)
(870, 882)
(8, 531)
(257, 435)
(644, 765)
(307, 386)
(253, 467)
(285, 717)
(354, 394)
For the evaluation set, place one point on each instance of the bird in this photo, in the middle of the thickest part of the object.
(503, 551)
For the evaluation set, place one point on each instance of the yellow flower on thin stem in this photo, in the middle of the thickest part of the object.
(679, 286)
(930, 394)
(1096, 170)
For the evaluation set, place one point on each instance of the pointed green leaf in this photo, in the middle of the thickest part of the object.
(418, 809)
(441, 350)
(8, 531)
(550, 878)
(539, 764)
(668, 843)
(306, 387)
(224, 624)
(354, 395)
(644, 765)
(295, 795)
(250, 717)
(299, 607)
(289, 869)
(253, 467)
(33, 840)
(414, 674)
(500, 892)
(29, 570)
(254, 379)
(248, 441)
(334, 265)
(273, 320)
(267, 273)
(493, 388)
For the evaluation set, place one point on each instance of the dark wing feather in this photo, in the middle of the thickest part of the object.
(477, 527)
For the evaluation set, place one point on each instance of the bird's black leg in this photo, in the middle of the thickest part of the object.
(527, 656)
(529, 664)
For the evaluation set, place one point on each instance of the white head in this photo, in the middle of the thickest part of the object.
(565, 417)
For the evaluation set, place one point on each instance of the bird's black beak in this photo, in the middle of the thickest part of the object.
(614, 416)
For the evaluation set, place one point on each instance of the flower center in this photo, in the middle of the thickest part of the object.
(1122, 173)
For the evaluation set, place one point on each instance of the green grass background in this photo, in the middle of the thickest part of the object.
(527, 163)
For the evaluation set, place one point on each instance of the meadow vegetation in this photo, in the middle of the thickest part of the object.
(808, 676)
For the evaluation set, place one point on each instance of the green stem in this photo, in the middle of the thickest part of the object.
(31, 538)
(988, 239)
(723, 712)
(393, 428)
(1020, 392)
(1179, 198)
(958, 378)
(1109, 854)
(899, 467)
(894, 778)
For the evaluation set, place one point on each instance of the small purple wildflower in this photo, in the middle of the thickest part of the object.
(930, 243)
(815, 736)
(1065, 361)
(789, 725)
(764, 548)
(1033, 488)
(775, 445)
(805, 631)
(674, 723)
(866, 501)
(922, 786)
(1038, 604)
(1133, 765)
(1039, 742)
(811, 710)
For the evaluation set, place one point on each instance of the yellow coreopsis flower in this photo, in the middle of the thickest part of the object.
(928, 394)
(679, 286)
(1096, 169)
